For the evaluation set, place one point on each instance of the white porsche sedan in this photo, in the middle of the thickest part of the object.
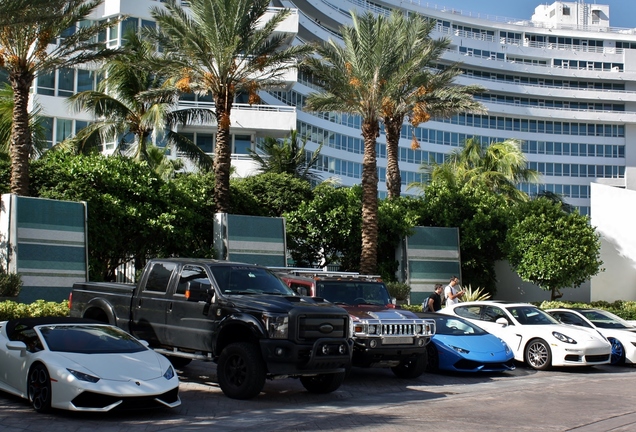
(534, 336)
(620, 333)
(80, 365)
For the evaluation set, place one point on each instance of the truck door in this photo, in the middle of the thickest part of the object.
(187, 325)
(151, 305)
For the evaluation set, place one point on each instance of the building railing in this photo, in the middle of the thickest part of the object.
(240, 106)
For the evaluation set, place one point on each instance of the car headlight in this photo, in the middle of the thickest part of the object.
(83, 376)
(563, 338)
(459, 350)
(277, 325)
(373, 329)
(169, 374)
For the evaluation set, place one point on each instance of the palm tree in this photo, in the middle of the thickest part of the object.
(223, 47)
(31, 43)
(500, 166)
(287, 156)
(133, 101)
(36, 128)
(422, 91)
(358, 76)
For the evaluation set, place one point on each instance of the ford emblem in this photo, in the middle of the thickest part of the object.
(325, 328)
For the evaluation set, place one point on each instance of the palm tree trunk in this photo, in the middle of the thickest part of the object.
(20, 134)
(369, 255)
(393, 128)
(222, 154)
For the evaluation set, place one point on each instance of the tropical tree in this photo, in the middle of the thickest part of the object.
(552, 248)
(133, 101)
(358, 76)
(6, 122)
(499, 166)
(37, 37)
(287, 156)
(222, 48)
(422, 91)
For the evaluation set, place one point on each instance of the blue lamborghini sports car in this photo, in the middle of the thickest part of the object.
(461, 346)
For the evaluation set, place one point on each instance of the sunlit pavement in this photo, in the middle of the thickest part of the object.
(583, 400)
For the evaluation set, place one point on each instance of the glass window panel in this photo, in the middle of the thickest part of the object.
(66, 82)
(63, 129)
(242, 143)
(46, 84)
(205, 142)
(85, 80)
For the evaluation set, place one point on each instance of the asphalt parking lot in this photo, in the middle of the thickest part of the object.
(583, 400)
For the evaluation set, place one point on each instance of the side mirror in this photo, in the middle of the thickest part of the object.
(502, 322)
(197, 292)
(16, 346)
(393, 301)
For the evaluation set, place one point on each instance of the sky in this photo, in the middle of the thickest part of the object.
(622, 12)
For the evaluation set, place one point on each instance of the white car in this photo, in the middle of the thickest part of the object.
(80, 365)
(620, 333)
(534, 336)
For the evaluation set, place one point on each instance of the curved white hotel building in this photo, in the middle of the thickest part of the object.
(562, 81)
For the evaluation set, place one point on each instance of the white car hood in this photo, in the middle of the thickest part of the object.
(141, 366)
(576, 333)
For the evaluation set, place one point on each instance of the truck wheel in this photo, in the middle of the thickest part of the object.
(323, 383)
(241, 371)
(179, 362)
(412, 367)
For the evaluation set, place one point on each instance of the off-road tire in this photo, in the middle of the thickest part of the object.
(241, 371)
(323, 383)
(412, 367)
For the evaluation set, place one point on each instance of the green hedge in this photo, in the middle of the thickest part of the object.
(10, 309)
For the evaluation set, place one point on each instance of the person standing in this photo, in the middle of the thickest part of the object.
(451, 293)
(434, 302)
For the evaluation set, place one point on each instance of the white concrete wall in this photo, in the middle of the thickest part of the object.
(510, 287)
(613, 211)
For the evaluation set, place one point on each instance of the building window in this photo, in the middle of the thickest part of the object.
(242, 143)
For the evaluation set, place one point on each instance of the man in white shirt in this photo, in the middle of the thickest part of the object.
(451, 293)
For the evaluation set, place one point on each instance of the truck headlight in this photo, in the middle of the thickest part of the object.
(277, 325)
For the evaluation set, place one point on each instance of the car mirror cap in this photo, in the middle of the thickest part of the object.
(16, 346)
(502, 321)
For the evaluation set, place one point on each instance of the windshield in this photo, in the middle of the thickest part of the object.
(248, 280)
(353, 292)
(89, 339)
(530, 315)
(448, 325)
(605, 319)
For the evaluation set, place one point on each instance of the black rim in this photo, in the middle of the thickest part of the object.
(617, 351)
(39, 387)
(236, 370)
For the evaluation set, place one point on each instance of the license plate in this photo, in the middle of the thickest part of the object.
(397, 341)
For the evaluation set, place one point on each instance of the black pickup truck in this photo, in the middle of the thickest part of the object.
(240, 316)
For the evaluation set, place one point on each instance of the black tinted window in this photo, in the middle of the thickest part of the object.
(159, 277)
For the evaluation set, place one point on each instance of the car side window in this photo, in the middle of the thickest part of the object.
(470, 312)
(493, 313)
(191, 273)
(568, 318)
(30, 339)
(159, 277)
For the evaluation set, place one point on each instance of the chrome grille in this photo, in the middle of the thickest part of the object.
(398, 329)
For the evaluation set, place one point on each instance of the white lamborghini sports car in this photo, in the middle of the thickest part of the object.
(80, 365)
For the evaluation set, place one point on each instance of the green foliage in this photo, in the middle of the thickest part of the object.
(129, 211)
(326, 229)
(40, 308)
(399, 290)
(624, 309)
(482, 217)
(477, 294)
(270, 194)
(551, 248)
(10, 284)
(396, 219)
(287, 156)
(412, 308)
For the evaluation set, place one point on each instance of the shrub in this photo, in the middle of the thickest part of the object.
(11, 310)
(10, 284)
(399, 290)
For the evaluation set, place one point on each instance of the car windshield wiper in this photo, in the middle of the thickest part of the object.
(240, 292)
